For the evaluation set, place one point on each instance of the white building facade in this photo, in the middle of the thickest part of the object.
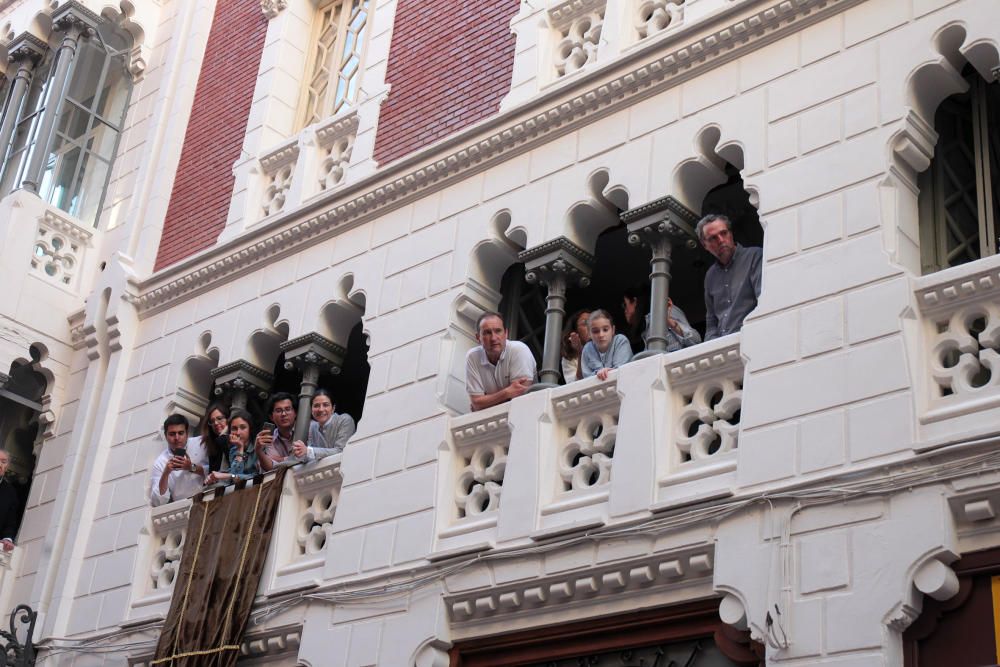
(814, 481)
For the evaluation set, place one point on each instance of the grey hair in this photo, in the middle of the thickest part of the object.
(699, 229)
(599, 314)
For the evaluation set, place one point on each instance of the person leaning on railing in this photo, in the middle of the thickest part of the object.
(497, 369)
(242, 456)
(576, 335)
(328, 430)
(606, 350)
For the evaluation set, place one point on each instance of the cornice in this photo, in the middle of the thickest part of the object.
(515, 132)
(286, 153)
(68, 228)
(954, 287)
(589, 399)
(564, 12)
(74, 14)
(664, 204)
(27, 46)
(583, 587)
(323, 473)
(170, 517)
(703, 363)
(335, 128)
(479, 430)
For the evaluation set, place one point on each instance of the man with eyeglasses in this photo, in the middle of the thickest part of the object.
(732, 284)
(276, 446)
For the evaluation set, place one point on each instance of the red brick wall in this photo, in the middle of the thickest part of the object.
(203, 187)
(449, 66)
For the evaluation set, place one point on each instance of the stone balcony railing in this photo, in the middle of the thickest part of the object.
(657, 433)
(296, 555)
(958, 349)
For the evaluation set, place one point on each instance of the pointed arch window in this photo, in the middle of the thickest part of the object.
(333, 70)
(960, 191)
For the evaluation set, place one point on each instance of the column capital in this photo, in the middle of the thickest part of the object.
(313, 349)
(559, 257)
(242, 376)
(661, 219)
(272, 8)
(73, 14)
(27, 48)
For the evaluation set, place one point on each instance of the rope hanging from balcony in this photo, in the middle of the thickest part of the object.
(220, 570)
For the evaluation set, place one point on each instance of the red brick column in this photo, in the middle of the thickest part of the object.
(449, 66)
(203, 187)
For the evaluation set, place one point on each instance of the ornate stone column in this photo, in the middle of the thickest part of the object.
(74, 21)
(26, 52)
(311, 354)
(660, 224)
(238, 378)
(558, 264)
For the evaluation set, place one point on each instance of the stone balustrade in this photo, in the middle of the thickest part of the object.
(659, 432)
(958, 345)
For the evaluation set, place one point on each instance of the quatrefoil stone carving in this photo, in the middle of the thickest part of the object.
(585, 459)
(479, 483)
(964, 355)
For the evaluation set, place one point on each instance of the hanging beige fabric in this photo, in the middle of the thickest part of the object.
(223, 559)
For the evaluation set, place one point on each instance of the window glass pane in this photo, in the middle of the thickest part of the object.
(89, 188)
(73, 121)
(57, 182)
(88, 67)
(956, 179)
(102, 140)
(114, 93)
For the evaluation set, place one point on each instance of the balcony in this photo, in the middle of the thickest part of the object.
(658, 433)
(957, 344)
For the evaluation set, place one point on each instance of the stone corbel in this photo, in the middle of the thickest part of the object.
(74, 15)
(272, 8)
(558, 264)
(932, 578)
(241, 377)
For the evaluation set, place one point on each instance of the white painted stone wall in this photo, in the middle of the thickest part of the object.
(834, 364)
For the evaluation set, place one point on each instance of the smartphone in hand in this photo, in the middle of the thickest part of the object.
(269, 427)
(180, 452)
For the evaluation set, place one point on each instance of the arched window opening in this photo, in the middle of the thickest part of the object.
(20, 408)
(67, 131)
(348, 386)
(523, 309)
(960, 191)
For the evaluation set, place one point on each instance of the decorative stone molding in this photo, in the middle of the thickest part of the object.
(709, 391)
(277, 168)
(480, 444)
(577, 25)
(558, 256)
(241, 375)
(961, 308)
(169, 531)
(313, 349)
(272, 8)
(913, 148)
(335, 140)
(27, 47)
(661, 216)
(74, 15)
(653, 17)
(200, 272)
(59, 248)
(318, 486)
(590, 420)
(583, 586)
(268, 645)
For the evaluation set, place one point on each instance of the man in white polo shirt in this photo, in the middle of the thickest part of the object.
(497, 370)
